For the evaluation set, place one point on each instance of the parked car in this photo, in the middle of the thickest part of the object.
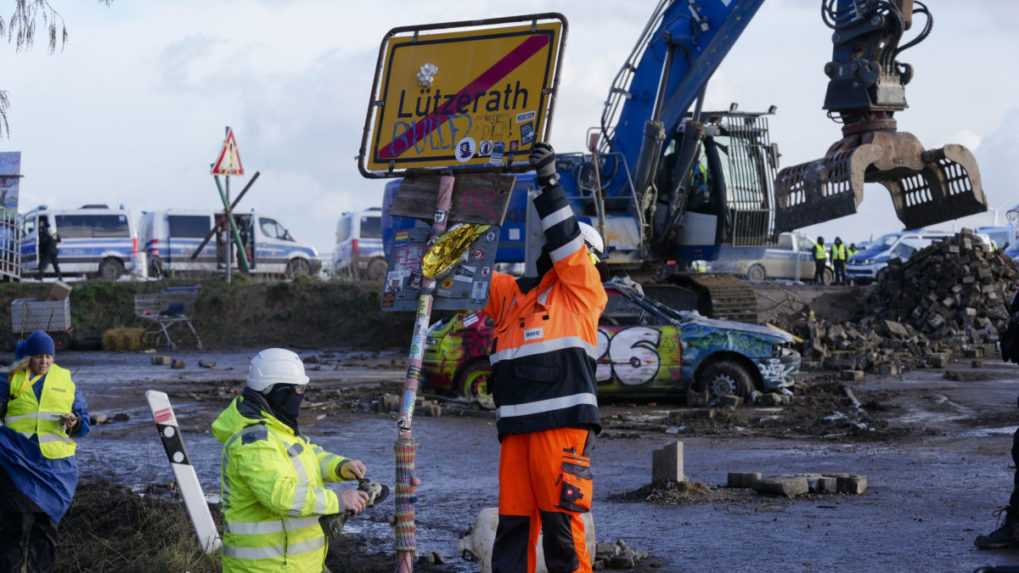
(1001, 236)
(867, 265)
(171, 237)
(1013, 251)
(790, 258)
(359, 245)
(95, 240)
(646, 349)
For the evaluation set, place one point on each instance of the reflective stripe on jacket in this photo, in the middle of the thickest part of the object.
(273, 487)
(543, 364)
(42, 417)
(838, 253)
(820, 253)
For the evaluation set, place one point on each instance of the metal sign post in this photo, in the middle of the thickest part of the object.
(229, 163)
(450, 102)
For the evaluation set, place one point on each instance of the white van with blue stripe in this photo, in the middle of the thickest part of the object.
(94, 241)
(171, 237)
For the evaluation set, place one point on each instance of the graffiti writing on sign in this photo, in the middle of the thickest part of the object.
(632, 355)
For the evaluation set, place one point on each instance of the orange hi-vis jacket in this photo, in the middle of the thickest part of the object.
(543, 363)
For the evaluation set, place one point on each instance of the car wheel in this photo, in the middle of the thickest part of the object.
(757, 274)
(111, 269)
(376, 270)
(298, 268)
(726, 377)
(473, 383)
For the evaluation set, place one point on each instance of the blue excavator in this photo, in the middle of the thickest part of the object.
(669, 183)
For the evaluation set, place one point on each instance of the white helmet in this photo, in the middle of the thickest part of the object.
(275, 366)
(593, 239)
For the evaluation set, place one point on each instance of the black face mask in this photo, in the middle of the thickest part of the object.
(285, 403)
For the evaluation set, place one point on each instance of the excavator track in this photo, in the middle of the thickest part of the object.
(717, 296)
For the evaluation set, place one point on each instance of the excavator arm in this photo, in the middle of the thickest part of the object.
(866, 88)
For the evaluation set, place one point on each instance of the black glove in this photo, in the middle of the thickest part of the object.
(542, 160)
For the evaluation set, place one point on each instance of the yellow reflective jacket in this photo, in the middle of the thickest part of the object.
(273, 489)
(29, 416)
(820, 253)
(839, 252)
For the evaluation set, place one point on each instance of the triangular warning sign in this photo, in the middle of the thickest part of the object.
(229, 162)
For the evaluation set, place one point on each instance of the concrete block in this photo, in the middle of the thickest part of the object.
(853, 484)
(784, 486)
(827, 484)
(177, 364)
(206, 363)
(667, 464)
(742, 480)
(161, 360)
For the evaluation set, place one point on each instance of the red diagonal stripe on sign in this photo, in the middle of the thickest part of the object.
(487, 79)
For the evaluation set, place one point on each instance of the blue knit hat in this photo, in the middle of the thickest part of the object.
(19, 350)
(38, 343)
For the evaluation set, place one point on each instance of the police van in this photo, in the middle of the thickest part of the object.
(359, 250)
(171, 237)
(94, 240)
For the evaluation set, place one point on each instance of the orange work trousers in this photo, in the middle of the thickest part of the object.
(545, 483)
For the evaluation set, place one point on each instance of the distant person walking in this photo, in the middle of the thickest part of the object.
(48, 250)
(820, 261)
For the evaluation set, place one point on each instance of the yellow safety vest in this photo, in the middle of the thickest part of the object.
(820, 253)
(838, 252)
(273, 487)
(29, 416)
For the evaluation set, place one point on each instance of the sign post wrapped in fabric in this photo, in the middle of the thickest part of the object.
(451, 104)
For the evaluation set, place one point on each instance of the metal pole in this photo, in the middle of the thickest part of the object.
(229, 243)
(405, 448)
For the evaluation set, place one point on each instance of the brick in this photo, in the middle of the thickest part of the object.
(742, 480)
(161, 360)
(177, 364)
(667, 464)
(827, 484)
(783, 486)
(696, 399)
(853, 484)
(730, 401)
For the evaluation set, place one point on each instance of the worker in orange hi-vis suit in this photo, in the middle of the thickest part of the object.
(543, 375)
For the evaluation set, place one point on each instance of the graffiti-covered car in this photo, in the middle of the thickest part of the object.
(645, 349)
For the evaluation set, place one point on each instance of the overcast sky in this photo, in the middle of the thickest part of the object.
(132, 110)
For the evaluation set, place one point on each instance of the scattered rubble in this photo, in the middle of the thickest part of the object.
(617, 555)
(948, 301)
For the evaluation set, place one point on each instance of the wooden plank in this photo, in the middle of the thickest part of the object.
(478, 198)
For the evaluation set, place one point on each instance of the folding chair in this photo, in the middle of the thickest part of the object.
(172, 305)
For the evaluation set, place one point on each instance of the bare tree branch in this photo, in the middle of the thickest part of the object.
(20, 30)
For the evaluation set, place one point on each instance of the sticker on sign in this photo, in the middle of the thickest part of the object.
(444, 95)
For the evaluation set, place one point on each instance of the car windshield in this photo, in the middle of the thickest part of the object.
(879, 246)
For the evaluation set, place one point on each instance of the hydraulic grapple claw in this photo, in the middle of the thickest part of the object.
(927, 187)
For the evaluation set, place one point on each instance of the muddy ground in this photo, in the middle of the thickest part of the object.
(935, 452)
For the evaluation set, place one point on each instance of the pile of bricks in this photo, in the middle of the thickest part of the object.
(801, 484)
(948, 301)
(955, 290)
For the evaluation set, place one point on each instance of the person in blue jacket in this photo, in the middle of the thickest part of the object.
(42, 412)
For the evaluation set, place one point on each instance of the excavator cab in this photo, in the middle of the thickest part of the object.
(866, 87)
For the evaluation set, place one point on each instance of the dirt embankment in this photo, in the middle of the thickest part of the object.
(110, 529)
(302, 313)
